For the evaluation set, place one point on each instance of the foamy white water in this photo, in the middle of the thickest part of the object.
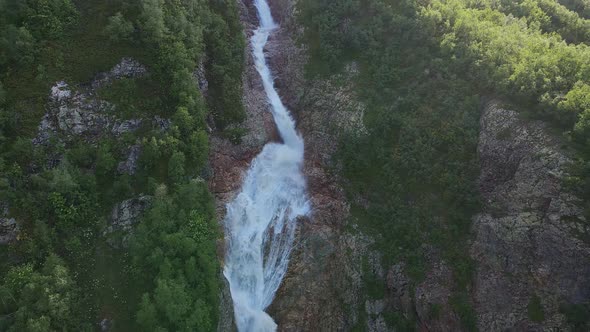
(261, 221)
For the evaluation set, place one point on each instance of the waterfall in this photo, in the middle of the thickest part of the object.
(260, 222)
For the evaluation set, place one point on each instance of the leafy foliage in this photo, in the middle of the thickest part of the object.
(42, 300)
(176, 244)
(62, 193)
(422, 68)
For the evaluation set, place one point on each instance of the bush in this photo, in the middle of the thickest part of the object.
(119, 29)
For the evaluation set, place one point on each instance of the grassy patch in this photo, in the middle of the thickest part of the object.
(535, 309)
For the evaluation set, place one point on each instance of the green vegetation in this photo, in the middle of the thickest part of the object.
(225, 64)
(174, 247)
(61, 274)
(535, 309)
(418, 176)
(423, 69)
(42, 300)
(577, 315)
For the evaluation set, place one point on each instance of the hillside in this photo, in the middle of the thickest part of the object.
(294, 165)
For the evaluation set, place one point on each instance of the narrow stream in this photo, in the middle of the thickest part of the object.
(261, 221)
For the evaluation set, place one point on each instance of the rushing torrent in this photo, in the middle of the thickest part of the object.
(261, 221)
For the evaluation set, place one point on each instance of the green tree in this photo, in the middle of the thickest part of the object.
(184, 121)
(16, 46)
(197, 149)
(40, 300)
(50, 18)
(176, 164)
(175, 248)
(105, 162)
(119, 29)
(152, 20)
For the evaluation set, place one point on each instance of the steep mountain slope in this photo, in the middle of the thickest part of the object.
(527, 265)
(106, 220)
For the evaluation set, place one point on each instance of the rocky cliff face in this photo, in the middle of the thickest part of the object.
(524, 239)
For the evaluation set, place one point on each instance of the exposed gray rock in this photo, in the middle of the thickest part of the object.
(126, 213)
(123, 217)
(201, 78)
(127, 68)
(80, 115)
(8, 226)
(60, 91)
(119, 128)
(226, 321)
(45, 131)
(161, 123)
(524, 240)
(375, 320)
(74, 114)
(105, 325)
(398, 284)
(129, 166)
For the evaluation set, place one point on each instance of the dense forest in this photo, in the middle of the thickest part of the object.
(60, 273)
(424, 68)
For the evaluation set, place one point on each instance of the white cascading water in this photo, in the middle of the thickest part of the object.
(260, 222)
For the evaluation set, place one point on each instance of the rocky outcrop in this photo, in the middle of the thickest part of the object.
(127, 68)
(226, 309)
(201, 78)
(427, 303)
(129, 165)
(123, 217)
(8, 226)
(126, 213)
(77, 112)
(525, 244)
